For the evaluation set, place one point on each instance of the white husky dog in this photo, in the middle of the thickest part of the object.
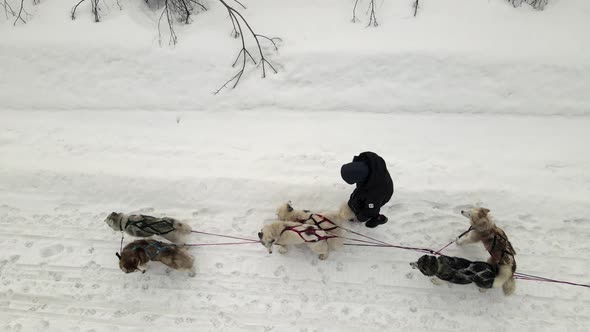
(284, 233)
(329, 221)
(140, 225)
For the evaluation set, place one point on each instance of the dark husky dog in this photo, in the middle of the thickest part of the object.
(457, 270)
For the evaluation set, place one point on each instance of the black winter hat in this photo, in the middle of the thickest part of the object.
(355, 172)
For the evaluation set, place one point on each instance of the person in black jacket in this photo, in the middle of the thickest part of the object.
(374, 187)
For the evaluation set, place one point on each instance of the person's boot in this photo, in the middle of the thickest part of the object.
(376, 221)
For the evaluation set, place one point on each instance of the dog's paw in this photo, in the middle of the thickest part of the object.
(323, 257)
(283, 249)
(458, 241)
(436, 281)
(482, 290)
(192, 273)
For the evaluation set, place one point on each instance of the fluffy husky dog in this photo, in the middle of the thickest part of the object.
(137, 253)
(140, 225)
(283, 233)
(496, 243)
(329, 221)
(456, 270)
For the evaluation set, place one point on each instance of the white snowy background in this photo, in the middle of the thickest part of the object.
(473, 102)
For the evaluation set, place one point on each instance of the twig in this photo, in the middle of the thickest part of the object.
(416, 4)
(75, 8)
(166, 10)
(20, 12)
(239, 3)
(372, 17)
(234, 32)
(95, 10)
(354, 19)
(272, 40)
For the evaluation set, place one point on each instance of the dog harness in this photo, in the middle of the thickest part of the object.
(309, 233)
(504, 251)
(494, 242)
(319, 222)
(153, 249)
(148, 224)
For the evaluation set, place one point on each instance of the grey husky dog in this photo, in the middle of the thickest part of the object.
(140, 225)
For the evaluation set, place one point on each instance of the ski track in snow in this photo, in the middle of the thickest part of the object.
(63, 172)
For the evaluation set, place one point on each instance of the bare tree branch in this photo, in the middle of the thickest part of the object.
(537, 4)
(241, 25)
(416, 4)
(181, 10)
(8, 8)
(371, 11)
(166, 10)
(94, 8)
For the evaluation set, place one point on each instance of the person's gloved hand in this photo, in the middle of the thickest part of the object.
(376, 221)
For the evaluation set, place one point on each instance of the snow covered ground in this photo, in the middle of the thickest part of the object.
(63, 172)
(472, 102)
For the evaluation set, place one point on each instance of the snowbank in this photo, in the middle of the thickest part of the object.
(456, 56)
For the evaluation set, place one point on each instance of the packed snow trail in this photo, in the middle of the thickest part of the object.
(61, 173)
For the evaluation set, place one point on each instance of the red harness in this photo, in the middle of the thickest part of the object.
(319, 223)
(307, 231)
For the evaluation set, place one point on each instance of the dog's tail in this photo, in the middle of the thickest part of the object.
(286, 212)
(505, 279)
(345, 212)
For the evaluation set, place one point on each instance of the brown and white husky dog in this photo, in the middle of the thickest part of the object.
(137, 254)
(496, 243)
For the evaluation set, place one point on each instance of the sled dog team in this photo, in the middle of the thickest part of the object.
(322, 233)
